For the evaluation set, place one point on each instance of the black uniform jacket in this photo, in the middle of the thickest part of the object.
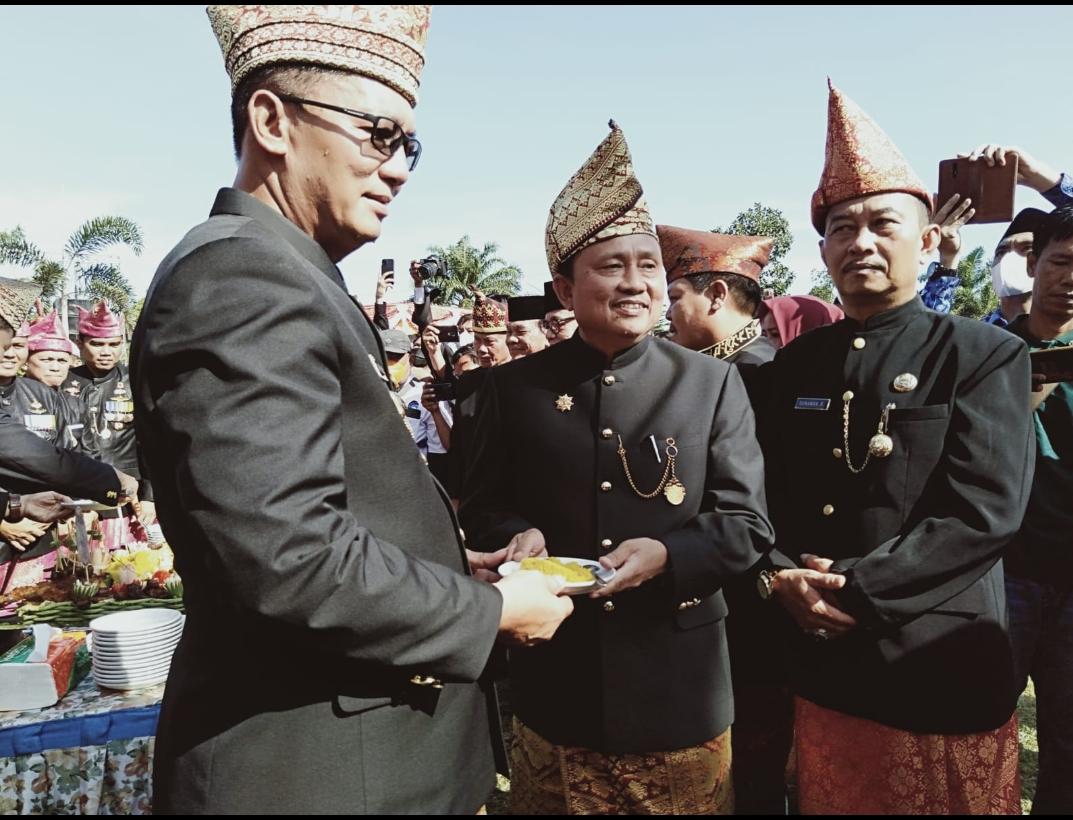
(918, 534)
(647, 670)
(325, 583)
(29, 464)
(108, 430)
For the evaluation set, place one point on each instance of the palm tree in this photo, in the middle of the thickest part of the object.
(78, 269)
(975, 296)
(470, 269)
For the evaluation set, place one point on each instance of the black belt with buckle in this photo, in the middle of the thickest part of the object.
(126, 511)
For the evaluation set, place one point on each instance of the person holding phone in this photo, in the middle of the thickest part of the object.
(435, 426)
(1054, 186)
(1039, 564)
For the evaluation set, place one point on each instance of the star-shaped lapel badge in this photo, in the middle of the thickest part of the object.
(564, 403)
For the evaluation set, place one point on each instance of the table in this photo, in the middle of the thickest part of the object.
(92, 753)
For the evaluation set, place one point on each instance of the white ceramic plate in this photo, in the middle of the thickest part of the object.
(133, 659)
(136, 622)
(131, 674)
(166, 650)
(116, 680)
(131, 684)
(105, 639)
(572, 587)
(136, 648)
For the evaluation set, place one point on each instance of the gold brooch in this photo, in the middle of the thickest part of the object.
(564, 403)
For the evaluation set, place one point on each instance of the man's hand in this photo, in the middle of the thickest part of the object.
(147, 513)
(816, 562)
(384, 283)
(128, 487)
(528, 544)
(634, 561)
(416, 274)
(428, 398)
(46, 508)
(951, 218)
(22, 535)
(532, 607)
(800, 591)
(1030, 171)
(484, 565)
(430, 337)
(1041, 391)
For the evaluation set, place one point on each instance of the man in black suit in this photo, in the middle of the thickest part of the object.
(899, 452)
(713, 287)
(618, 447)
(334, 643)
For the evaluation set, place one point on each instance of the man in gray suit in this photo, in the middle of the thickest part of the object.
(334, 645)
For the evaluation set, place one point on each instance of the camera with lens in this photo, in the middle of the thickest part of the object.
(431, 267)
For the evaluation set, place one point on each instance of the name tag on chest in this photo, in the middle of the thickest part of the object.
(812, 404)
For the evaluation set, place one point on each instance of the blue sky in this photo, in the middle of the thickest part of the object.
(125, 110)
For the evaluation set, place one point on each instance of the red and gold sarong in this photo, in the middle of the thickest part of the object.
(849, 765)
(550, 779)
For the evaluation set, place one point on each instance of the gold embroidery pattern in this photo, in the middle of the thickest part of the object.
(686, 251)
(860, 160)
(384, 42)
(550, 779)
(732, 344)
(603, 199)
(849, 765)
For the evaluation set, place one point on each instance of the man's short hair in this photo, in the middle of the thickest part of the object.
(744, 292)
(465, 350)
(1056, 226)
(923, 213)
(295, 79)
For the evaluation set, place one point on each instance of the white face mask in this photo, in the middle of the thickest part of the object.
(1010, 275)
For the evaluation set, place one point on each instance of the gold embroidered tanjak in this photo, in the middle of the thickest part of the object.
(602, 200)
(386, 43)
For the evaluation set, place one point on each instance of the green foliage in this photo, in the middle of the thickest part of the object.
(16, 249)
(78, 270)
(98, 233)
(975, 296)
(822, 286)
(104, 281)
(50, 275)
(760, 220)
(469, 269)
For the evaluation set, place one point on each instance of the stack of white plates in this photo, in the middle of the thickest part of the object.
(134, 649)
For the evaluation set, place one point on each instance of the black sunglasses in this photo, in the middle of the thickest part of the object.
(386, 136)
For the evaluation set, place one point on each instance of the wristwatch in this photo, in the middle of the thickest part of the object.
(14, 509)
(765, 584)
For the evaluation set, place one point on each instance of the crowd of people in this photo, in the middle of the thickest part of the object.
(836, 536)
(86, 414)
